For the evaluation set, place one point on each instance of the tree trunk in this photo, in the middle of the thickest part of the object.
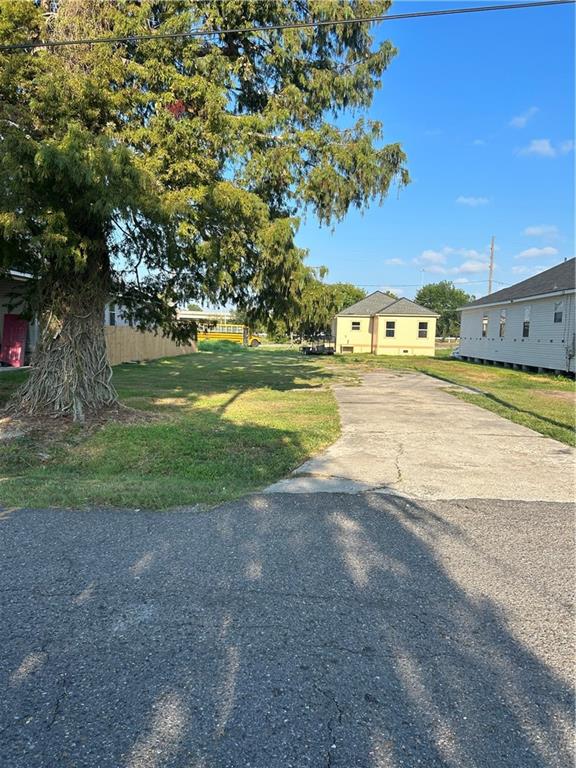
(70, 373)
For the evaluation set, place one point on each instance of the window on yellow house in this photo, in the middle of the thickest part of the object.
(422, 330)
(355, 325)
(390, 329)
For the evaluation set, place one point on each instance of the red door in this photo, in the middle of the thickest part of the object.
(13, 340)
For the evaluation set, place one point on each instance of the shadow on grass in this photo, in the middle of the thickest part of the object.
(533, 414)
(497, 400)
(211, 373)
(321, 631)
(217, 447)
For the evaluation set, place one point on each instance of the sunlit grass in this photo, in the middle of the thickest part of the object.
(226, 423)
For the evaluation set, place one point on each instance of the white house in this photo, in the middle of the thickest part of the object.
(530, 324)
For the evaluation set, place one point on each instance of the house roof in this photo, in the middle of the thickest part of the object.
(379, 303)
(407, 307)
(369, 305)
(558, 278)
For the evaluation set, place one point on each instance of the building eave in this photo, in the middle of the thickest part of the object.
(551, 294)
(405, 314)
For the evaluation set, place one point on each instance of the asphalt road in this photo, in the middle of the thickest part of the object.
(285, 630)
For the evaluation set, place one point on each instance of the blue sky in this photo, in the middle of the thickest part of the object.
(483, 105)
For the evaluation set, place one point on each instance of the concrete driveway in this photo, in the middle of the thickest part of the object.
(330, 630)
(403, 433)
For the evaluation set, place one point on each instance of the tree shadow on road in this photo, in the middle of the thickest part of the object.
(278, 631)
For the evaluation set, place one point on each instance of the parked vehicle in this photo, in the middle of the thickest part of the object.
(239, 334)
(318, 349)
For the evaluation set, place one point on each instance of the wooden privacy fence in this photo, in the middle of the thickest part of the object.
(125, 344)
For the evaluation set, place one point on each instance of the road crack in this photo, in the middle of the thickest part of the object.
(332, 722)
(399, 454)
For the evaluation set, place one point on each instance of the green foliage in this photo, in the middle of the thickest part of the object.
(446, 299)
(220, 345)
(169, 171)
(314, 306)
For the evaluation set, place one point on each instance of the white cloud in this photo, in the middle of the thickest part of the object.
(473, 202)
(542, 230)
(541, 147)
(432, 257)
(436, 262)
(529, 271)
(471, 267)
(394, 262)
(467, 253)
(545, 148)
(520, 121)
(536, 253)
(460, 281)
(479, 142)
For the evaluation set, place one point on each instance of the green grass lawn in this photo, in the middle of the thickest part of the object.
(542, 402)
(226, 422)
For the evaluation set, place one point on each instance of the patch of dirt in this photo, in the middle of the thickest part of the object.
(50, 428)
(569, 397)
(9, 429)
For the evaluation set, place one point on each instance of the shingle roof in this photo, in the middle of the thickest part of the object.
(559, 278)
(407, 307)
(369, 305)
(379, 303)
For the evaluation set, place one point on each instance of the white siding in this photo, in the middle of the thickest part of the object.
(549, 345)
(117, 311)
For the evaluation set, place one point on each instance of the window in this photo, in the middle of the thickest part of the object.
(355, 325)
(526, 324)
(422, 330)
(390, 329)
(484, 326)
(112, 314)
(558, 311)
(502, 328)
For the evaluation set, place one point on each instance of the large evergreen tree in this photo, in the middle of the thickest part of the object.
(164, 171)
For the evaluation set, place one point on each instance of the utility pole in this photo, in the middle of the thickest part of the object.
(491, 268)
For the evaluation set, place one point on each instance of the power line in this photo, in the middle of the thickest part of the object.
(277, 27)
(417, 285)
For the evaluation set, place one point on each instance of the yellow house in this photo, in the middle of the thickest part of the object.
(382, 325)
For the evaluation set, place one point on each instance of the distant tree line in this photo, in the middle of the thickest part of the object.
(311, 311)
(446, 299)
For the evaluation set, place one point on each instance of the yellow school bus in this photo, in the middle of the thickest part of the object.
(239, 334)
